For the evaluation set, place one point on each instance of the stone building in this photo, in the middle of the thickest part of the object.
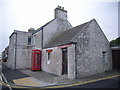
(4, 55)
(71, 52)
(116, 57)
(78, 52)
(19, 54)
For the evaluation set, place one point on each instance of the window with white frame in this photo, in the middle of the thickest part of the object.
(104, 54)
(48, 55)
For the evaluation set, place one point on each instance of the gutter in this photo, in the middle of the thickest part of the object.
(42, 38)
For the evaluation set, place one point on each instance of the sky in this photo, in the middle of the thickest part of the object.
(24, 14)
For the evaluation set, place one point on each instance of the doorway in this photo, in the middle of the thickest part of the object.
(115, 59)
(64, 61)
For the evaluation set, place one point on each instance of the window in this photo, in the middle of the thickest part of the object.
(104, 56)
(29, 40)
(48, 56)
(34, 39)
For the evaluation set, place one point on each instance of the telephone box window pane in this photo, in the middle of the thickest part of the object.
(37, 56)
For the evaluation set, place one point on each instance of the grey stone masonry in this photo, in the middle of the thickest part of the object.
(91, 45)
(19, 50)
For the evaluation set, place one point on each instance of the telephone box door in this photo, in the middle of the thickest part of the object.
(36, 60)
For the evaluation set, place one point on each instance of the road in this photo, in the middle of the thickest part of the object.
(108, 83)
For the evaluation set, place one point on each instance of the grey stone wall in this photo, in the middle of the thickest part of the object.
(23, 52)
(71, 62)
(11, 52)
(37, 40)
(55, 64)
(91, 42)
(23, 59)
(19, 51)
(53, 29)
(100, 43)
(82, 53)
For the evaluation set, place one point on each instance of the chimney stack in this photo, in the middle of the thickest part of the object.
(60, 13)
(31, 30)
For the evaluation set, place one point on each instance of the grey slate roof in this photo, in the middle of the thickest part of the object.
(67, 36)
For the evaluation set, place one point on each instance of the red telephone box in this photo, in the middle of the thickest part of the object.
(36, 60)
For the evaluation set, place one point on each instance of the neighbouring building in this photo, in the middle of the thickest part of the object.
(116, 57)
(72, 52)
(19, 54)
(4, 55)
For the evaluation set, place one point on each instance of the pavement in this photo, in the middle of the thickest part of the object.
(30, 78)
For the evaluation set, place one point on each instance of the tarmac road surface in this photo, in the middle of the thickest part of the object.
(108, 83)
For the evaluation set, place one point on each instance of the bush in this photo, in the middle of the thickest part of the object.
(115, 42)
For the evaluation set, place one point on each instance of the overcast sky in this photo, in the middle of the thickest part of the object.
(23, 14)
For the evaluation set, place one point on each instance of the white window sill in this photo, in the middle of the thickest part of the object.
(48, 62)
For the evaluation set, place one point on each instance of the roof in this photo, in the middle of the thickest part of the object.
(67, 36)
(115, 47)
(15, 32)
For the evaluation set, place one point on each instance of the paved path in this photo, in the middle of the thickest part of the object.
(55, 80)
(47, 78)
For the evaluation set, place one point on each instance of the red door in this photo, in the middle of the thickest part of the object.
(36, 60)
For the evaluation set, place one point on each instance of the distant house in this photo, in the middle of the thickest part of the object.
(72, 52)
(4, 55)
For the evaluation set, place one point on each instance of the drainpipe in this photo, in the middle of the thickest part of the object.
(15, 51)
(42, 37)
(75, 60)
